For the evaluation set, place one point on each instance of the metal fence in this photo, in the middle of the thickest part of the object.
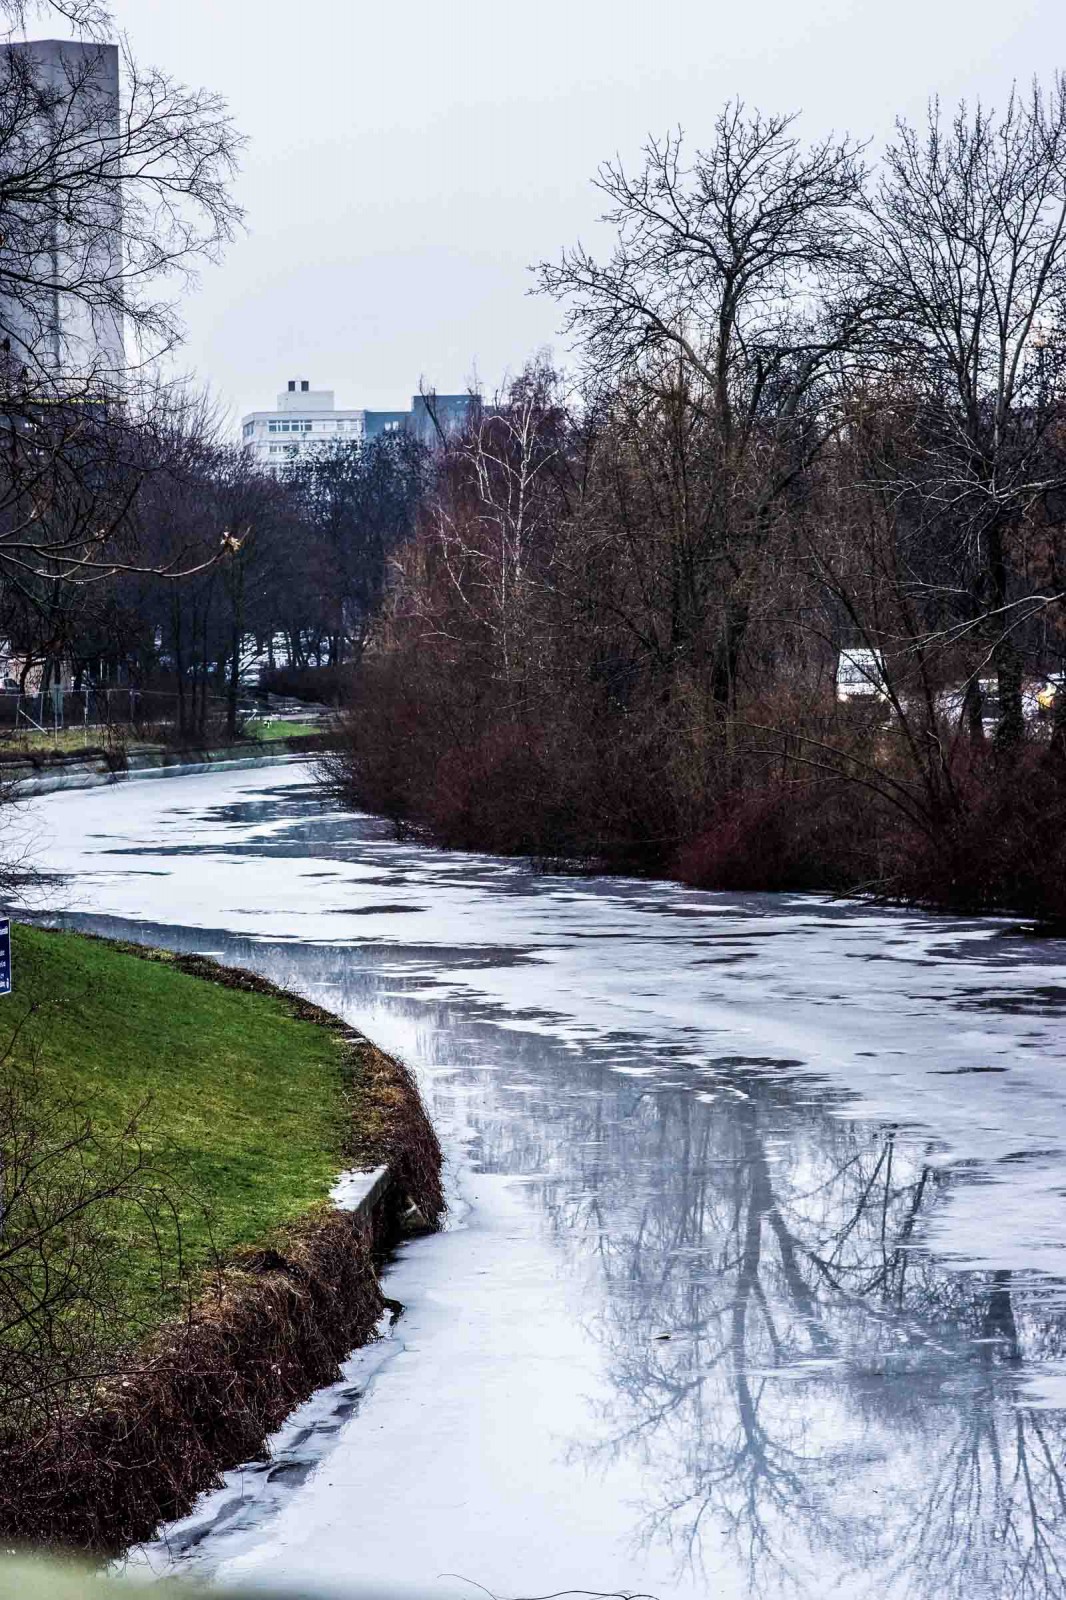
(104, 712)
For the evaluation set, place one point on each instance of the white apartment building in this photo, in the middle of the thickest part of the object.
(307, 419)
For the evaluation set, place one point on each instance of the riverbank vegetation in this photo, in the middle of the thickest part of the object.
(172, 1276)
(773, 596)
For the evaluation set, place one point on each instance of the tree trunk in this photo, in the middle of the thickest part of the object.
(973, 712)
(1057, 748)
(179, 664)
(1010, 730)
(236, 588)
(1010, 727)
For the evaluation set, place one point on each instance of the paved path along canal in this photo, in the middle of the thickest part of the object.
(753, 1279)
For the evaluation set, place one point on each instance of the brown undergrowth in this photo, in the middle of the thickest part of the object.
(272, 1326)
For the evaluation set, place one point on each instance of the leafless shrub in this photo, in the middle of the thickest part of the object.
(69, 1194)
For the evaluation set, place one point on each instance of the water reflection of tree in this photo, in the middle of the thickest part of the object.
(826, 1390)
(830, 1402)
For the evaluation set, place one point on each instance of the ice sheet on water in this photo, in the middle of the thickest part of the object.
(756, 1293)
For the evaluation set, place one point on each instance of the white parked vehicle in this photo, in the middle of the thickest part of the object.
(861, 675)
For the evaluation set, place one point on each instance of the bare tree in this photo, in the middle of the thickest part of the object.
(732, 286)
(106, 193)
(966, 252)
(87, 17)
(501, 494)
(724, 263)
(823, 412)
(102, 199)
(357, 501)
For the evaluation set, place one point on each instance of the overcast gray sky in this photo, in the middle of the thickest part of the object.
(407, 161)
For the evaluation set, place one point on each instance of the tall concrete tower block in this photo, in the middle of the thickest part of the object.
(61, 263)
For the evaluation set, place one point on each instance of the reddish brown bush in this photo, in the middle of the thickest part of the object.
(1004, 849)
(801, 834)
(837, 804)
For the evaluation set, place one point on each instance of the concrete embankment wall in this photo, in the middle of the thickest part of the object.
(94, 770)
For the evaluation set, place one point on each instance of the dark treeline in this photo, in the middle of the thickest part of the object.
(144, 561)
(819, 433)
(299, 578)
(211, 572)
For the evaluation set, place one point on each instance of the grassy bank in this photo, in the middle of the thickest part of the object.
(240, 1107)
(271, 728)
(173, 1279)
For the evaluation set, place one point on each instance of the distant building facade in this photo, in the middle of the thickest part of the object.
(308, 420)
(51, 325)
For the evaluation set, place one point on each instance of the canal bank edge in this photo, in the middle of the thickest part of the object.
(205, 1392)
(95, 768)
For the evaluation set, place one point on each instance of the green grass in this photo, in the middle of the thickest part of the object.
(26, 739)
(276, 728)
(246, 1105)
(75, 738)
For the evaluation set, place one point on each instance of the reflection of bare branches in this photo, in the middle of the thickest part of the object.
(558, 1594)
(796, 1377)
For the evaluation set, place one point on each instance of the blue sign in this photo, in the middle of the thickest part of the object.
(5, 955)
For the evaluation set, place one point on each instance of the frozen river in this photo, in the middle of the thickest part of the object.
(753, 1283)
